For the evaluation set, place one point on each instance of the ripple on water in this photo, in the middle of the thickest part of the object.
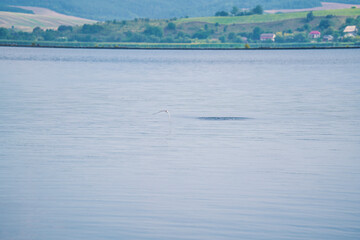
(223, 118)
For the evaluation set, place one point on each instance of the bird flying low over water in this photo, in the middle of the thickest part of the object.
(166, 111)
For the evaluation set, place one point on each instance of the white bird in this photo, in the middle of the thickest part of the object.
(166, 111)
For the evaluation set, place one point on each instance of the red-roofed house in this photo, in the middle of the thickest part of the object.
(314, 34)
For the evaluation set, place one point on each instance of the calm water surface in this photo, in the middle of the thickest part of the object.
(260, 144)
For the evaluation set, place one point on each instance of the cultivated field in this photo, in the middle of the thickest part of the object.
(42, 17)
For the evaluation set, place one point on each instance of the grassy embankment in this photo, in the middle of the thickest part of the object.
(116, 45)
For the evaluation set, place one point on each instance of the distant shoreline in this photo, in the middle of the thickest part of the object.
(182, 48)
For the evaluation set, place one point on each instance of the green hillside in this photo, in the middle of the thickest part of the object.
(158, 9)
(290, 28)
(270, 17)
(7, 8)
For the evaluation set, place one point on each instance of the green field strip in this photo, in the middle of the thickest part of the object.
(269, 17)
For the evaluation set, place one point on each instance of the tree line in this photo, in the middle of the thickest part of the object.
(235, 11)
(170, 31)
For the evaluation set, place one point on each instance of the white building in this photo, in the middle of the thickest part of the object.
(350, 31)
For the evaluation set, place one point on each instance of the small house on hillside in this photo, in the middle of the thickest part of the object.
(350, 31)
(328, 38)
(267, 37)
(314, 34)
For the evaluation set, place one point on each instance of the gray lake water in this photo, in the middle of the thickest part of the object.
(259, 144)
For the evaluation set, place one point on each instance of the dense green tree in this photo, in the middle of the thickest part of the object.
(258, 10)
(221, 14)
(64, 28)
(300, 38)
(231, 36)
(222, 39)
(180, 34)
(153, 30)
(3, 32)
(171, 26)
(50, 35)
(329, 31)
(280, 39)
(324, 24)
(37, 31)
(168, 39)
(234, 10)
(91, 28)
(201, 34)
(307, 27)
(309, 17)
(257, 31)
(83, 38)
(135, 37)
(350, 21)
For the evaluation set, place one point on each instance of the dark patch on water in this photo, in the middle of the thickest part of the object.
(223, 118)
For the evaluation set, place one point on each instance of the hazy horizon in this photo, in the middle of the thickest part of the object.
(129, 9)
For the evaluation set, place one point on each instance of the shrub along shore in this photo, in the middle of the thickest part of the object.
(180, 46)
